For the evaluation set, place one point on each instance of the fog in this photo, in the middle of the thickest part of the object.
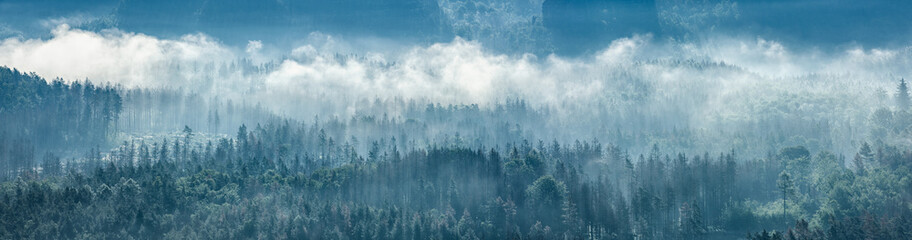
(719, 82)
(460, 71)
(451, 119)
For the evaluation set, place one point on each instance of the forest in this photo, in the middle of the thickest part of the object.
(456, 119)
(80, 163)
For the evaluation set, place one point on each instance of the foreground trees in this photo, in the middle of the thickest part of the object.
(240, 188)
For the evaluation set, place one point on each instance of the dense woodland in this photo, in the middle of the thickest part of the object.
(104, 162)
(53, 115)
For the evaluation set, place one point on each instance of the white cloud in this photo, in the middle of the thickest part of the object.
(113, 56)
(254, 46)
(314, 78)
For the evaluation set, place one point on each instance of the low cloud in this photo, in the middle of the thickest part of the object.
(720, 78)
(113, 56)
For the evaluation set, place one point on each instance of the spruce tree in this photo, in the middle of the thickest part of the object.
(902, 96)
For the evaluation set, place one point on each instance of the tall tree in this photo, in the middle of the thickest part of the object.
(786, 186)
(902, 95)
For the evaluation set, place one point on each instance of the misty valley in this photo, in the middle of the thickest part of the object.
(453, 119)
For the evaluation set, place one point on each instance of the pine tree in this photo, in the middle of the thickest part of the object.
(858, 161)
(691, 221)
(786, 186)
(902, 96)
(570, 218)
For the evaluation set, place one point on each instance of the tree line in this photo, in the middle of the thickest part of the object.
(40, 116)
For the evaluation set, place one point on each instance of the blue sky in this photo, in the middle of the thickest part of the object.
(565, 27)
